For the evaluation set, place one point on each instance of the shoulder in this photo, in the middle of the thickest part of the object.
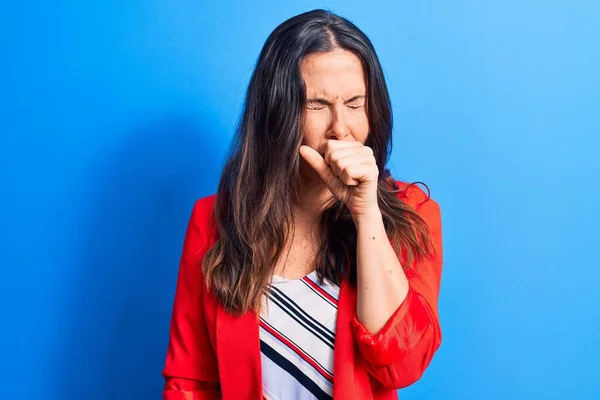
(413, 195)
(203, 207)
(202, 218)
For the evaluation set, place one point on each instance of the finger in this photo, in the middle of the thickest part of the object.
(358, 159)
(340, 158)
(352, 175)
(332, 144)
(352, 160)
(339, 164)
(344, 148)
(331, 157)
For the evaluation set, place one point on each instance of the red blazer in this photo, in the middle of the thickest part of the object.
(214, 355)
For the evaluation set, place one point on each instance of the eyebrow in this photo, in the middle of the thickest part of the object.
(321, 100)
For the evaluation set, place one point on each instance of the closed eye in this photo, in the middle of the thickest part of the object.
(316, 106)
(319, 106)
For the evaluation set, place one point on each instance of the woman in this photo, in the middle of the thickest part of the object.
(310, 274)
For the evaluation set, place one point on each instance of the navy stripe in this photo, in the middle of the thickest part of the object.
(306, 353)
(310, 322)
(294, 371)
(300, 320)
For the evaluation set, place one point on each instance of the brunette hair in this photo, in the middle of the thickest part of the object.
(259, 182)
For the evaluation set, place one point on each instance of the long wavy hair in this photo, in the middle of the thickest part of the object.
(260, 179)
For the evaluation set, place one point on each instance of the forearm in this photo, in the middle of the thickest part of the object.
(381, 283)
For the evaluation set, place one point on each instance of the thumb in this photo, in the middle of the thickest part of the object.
(314, 159)
(317, 162)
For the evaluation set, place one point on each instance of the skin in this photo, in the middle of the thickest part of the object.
(335, 162)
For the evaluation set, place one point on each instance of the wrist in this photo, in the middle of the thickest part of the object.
(367, 217)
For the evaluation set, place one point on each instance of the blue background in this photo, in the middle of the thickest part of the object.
(116, 116)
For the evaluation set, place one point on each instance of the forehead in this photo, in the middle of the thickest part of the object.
(333, 74)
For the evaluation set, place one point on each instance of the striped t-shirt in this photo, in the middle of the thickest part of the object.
(297, 335)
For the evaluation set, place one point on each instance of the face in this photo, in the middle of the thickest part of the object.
(336, 106)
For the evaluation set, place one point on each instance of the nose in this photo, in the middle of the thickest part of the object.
(339, 128)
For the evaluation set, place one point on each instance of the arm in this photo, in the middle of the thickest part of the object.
(396, 324)
(190, 370)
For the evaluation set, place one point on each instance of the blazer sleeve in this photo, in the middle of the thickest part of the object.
(400, 352)
(190, 370)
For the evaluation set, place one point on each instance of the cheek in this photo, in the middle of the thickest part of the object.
(360, 128)
(314, 128)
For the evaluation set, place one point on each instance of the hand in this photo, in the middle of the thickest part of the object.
(349, 170)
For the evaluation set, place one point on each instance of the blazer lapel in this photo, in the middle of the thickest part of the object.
(238, 355)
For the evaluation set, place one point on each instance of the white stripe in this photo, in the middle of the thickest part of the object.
(277, 382)
(300, 316)
(298, 334)
(331, 288)
(321, 295)
(295, 359)
(297, 349)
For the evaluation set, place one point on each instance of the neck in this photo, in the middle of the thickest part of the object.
(313, 196)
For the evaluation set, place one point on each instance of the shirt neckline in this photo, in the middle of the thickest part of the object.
(278, 278)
